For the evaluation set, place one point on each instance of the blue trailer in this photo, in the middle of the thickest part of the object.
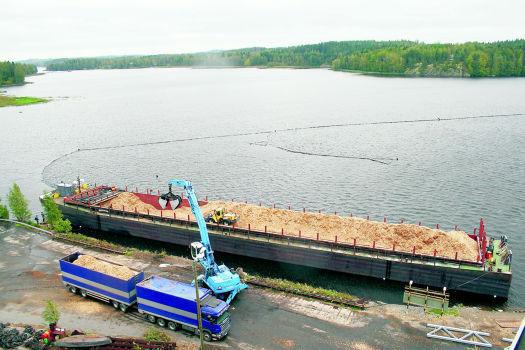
(173, 304)
(120, 293)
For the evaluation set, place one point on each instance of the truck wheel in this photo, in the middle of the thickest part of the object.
(161, 322)
(206, 336)
(73, 289)
(172, 326)
(115, 304)
(83, 293)
(123, 307)
(151, 318)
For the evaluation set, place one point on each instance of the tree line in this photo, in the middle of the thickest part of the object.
(473, 59)
(12, 73)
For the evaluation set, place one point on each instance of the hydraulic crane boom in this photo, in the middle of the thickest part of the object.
(220, 279)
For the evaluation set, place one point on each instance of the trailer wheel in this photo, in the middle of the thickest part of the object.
(73, 289)
(206, 336)
(161, 322)
(114, 303)
(83, 293)
(172, 326)
(151, 318)
(123, 307)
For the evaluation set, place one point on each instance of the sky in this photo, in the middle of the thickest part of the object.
(78, 28)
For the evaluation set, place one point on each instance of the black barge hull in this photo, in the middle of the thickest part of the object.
(401, 270)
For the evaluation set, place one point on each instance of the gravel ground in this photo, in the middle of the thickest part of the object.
(261, 319)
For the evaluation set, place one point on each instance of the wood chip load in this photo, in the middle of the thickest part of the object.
(366, 232)
(92, 263)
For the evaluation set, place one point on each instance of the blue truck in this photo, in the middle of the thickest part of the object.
(161, 300)
(172, 304)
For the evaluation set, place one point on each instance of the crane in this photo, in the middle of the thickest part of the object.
(224, 282)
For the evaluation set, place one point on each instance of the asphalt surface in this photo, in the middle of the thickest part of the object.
(261, 319)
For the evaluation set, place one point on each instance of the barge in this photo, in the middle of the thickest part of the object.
(489, 274)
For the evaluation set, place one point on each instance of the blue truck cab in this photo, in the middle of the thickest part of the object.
(173, 304)
(78, 279)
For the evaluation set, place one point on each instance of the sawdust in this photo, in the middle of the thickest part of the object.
(362, 346)
(346, 229)
(284, 343)
(92, 263)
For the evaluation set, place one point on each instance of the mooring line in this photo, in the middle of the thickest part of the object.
(334, 155)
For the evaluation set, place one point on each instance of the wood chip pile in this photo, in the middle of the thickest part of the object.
(92, 263)
(404, 236)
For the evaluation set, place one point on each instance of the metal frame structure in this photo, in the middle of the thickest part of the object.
(466, 338)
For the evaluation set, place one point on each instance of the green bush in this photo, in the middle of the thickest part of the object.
(62, 226)
(18, 204)
(4, 212)
(153, 334)
(54, 216)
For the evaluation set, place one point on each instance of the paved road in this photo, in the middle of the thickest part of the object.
(261, 319)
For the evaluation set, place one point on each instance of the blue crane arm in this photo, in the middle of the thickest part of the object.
(209, 262)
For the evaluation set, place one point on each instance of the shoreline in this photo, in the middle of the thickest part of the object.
(18, 101)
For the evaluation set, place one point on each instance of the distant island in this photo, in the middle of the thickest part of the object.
(398, 58)
(12, 74)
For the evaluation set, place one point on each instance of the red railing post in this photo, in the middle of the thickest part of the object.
(282, 231)
(122, 208)
(374, 244)
(354, 242)
(394, 247)
(335, 238)
(161, 213)
(136, 210)
(126, 188)
(188, 217)
(435, 252)
(335, 213)
(299, 233)
(368, 217)
(317, 235)
(264, 228)
(274, 205)
(319, 211)
(260, 204)
(351, 215)
(289, 207)
(384, 219)
(136, 190)
(304, 210)
(174, 215)
(437, 226)
(456, 255)
(206, 199)
(414, 250)
(249, 227)
(401, 220)
(419, 223)
(455, 227)
(148, 211)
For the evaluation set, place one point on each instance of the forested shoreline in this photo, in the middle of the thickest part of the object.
(405, 58)
(12, 73)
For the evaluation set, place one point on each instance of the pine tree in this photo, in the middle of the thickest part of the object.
(18, 204)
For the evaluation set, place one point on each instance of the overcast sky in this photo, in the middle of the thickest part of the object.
(72, 28)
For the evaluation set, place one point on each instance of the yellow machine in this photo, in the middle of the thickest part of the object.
(220, 217)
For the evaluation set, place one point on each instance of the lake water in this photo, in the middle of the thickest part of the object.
(446, 172)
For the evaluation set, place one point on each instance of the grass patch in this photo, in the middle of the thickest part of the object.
(302, 289)
(153, 334)
(89, 240)
(19, 101)
(451, 311)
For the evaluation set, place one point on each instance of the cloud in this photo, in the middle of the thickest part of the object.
(69, 28)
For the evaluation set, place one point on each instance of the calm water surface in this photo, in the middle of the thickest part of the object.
(446, 172)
